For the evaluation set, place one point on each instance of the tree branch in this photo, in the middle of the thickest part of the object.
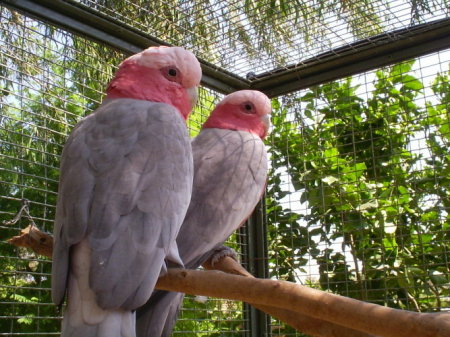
(289, 297)
(362, 316)
(303, 323)
(31, 237)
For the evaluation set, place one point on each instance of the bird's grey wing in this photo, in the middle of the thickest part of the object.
(137, 159)
(74, 196)
(229, 179)
(230, 174)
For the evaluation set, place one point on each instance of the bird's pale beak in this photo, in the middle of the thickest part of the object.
(193, 95)
(266, 121)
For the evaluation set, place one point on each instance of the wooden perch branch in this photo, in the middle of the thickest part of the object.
(362, 316)
(306, 324)
(292, 298)
(42, 243)
(31, 237)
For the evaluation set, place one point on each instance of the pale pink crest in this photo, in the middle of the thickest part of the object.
(163, 56)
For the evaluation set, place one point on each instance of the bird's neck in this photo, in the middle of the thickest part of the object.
(143, 83)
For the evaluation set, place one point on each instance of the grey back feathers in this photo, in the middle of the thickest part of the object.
(125, 185)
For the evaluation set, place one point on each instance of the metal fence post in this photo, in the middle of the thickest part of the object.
(255, 258)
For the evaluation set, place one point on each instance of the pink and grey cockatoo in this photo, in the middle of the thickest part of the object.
(230, 172)
(125, 186)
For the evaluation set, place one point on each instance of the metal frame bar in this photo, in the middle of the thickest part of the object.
(371, 53)
(363, 55)
(256, 260)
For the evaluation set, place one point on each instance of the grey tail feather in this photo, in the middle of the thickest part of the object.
(114, 325)
(158, 316)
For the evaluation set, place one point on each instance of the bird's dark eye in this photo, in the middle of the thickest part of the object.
(172, 72)
(248, 108)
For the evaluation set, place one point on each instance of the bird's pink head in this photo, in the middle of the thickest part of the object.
(244, 110)
(159, 74)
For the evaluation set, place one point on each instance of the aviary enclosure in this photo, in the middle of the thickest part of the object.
(358, 199)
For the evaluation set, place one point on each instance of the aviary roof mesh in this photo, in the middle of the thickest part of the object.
(297, 30)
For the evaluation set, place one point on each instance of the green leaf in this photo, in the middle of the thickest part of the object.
(410, 82)
(28, 319)
(401, 68)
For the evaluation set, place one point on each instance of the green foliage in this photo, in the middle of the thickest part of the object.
(42, 98)
(256, 27)
(378, 210)
(206, 103)
(212, 318)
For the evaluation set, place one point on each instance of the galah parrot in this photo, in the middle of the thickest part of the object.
(125, 186)
(230, 172)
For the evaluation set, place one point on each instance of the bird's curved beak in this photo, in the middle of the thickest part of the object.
(193, 95)
(266, 121)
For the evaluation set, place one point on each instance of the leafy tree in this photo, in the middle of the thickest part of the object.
(254, 27)
(351, 161)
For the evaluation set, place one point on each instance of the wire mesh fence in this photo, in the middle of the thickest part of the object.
(358, 197)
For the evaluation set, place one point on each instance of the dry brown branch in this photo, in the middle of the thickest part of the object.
(42, 243)
(31, 237)
(303, 323)
(343, 311)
